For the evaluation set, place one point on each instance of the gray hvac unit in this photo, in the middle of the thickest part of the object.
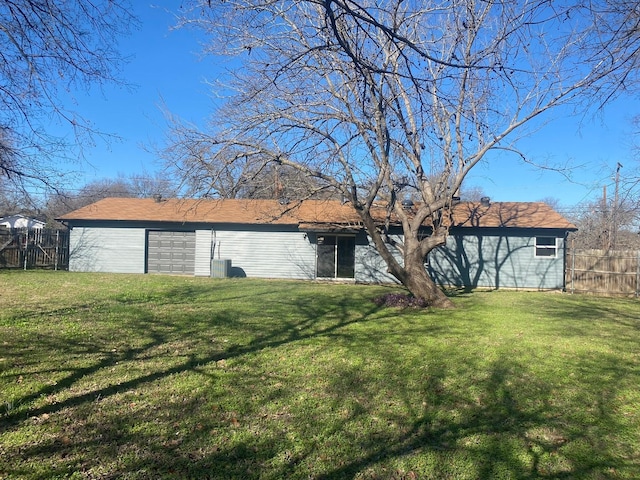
(220, 268)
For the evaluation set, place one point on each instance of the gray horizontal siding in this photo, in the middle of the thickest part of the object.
(203, 253)
(116, 250)
(370, 267)
(267, 254)
(496, 261)
(476, 260)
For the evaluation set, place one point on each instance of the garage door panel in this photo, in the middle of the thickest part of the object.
(171, 252)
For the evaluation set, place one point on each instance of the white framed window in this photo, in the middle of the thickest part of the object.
(546, 247)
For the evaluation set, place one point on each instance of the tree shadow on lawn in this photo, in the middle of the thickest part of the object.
(507, 423)
(512, 429)
(148, 324)
(161, 328)
(503, 421)
(582, 316)
(76, 390)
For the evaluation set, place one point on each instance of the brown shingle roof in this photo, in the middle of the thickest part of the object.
(510, 214)
(308, 212)
(215, 211)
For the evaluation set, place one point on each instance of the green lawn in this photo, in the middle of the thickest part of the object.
(117, 376)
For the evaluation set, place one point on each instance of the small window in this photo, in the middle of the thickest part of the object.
(546, 247)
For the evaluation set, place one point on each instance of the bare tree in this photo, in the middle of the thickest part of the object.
(7, 153)
(631, 180)
(393, 98)
(143, 185)
(190, 154)
(49, 47)
(11, 201)
(472, 193)
(598, 226)
(148, 185)
(61, 202)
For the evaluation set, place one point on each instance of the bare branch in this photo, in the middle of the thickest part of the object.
(379, 100)
(48, 47)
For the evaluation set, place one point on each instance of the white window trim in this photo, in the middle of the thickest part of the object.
(553, 247)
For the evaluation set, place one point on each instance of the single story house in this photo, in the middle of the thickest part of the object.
(494, 245)
(20, 221)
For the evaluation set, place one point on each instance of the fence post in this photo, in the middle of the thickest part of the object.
(573, 268)
(55, 262)
(26, 246)
(637, 274)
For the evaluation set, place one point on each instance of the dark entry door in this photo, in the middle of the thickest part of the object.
(336, 256)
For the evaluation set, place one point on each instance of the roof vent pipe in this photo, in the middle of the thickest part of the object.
(485, 201)
(407, 204)
(157, 197)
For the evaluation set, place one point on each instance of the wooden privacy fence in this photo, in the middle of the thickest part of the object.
(603, 272)
(34, 248)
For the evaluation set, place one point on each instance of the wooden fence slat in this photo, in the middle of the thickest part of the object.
(35, 248)
(604, 272)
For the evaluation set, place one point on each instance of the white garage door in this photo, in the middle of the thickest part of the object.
(171, 252)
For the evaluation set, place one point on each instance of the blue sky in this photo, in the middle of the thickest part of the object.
(166, 67)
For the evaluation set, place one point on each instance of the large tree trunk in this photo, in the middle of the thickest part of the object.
(421, 285)
(414, 276)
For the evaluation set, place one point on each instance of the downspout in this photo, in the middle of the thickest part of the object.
(67, 252)
(637, 274)
(212, 251)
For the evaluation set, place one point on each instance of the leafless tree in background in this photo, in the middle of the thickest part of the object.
(144, 185)
(380, 100)
(48, 50)
(597, 225)
(245, 177)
